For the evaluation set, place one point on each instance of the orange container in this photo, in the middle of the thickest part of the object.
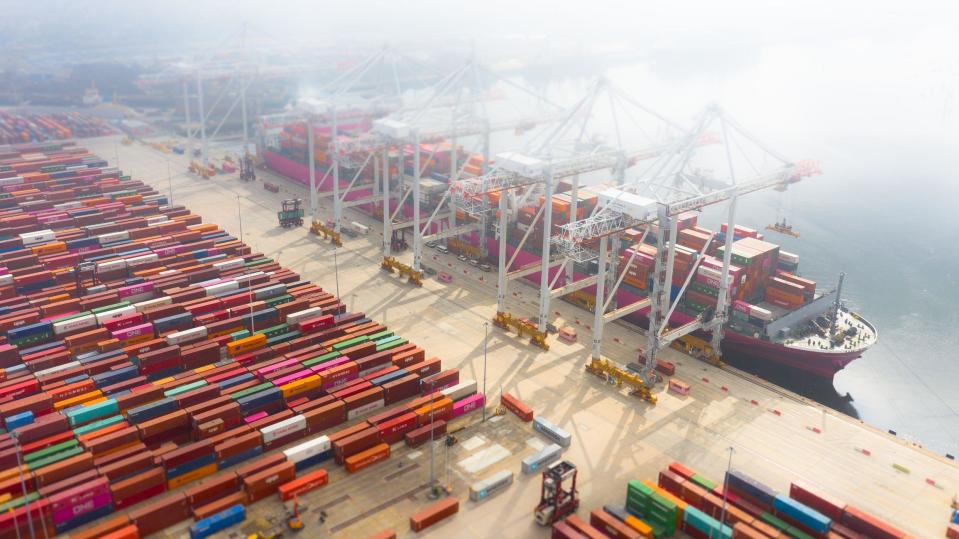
(303, 484)
(368, 457)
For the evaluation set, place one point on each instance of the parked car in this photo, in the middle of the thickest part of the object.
(462, 258)
(431, 244)
(443, 249)
(486, 267)
(428, 270)
(473, 262)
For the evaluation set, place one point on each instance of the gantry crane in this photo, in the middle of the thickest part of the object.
(666, 189)
(537, 171)
(449, 112)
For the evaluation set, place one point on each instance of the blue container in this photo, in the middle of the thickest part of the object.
(187, 467)
(230, 382)
(159, 375)
(18, 420)
(169, 323)
(241, 457)
(801, 513)
(740, 481)
(75, 379)
(313, 461)
(380, 380)
(30, 330)
(39, 348)
(151, 410)
(261, 400)
(109, 378)
(220, 521)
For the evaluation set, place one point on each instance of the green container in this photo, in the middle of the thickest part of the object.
(242, 334)
(774, 521)
(321, 359)
(184, 388)
(795, 532)
(52, 450)
(278, 300)
(283, 337)
(351, 342)
(85, 414)
(391, 344)
(258, 262)
(275, 330)
(70, 316)
(97, 425)
(703, 482)
(17, 502)
(251, 390)
(53, 459)
(380, 335)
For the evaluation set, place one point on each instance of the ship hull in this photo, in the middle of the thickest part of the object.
(745, 351)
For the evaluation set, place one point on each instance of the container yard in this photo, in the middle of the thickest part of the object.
(195, 377)
(21, 127)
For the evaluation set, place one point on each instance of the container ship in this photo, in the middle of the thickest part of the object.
(777, 317)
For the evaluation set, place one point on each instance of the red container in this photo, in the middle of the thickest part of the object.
(517, 406)
(219, 504)
(425, 368)
(303, 484)
(264, 483)
(825, 505)
(212, 488)
(355, 443)
(611, 526)
(324, 417)
(865, 523)
(421, 435)
(585, 529)
(137, 488)
(401, 389)
(439, 381)
(157, 515)
(562, 530)
(127, 466)
(444, 508)
(393, 430)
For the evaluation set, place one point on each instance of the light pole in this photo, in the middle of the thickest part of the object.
(336, 272)
(239, 216)
(722, 514)
(485, 343)
(169, 179)
(116, 152)
(432, 493)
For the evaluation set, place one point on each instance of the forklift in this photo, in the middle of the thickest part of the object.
(556, 502)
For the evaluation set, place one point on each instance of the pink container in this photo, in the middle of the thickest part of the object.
(263, 371)
(329, 364)
(292, 377)
(125, 322)
(167, 251)
(69, 498)
(131, 332)
(135, 289)
(473, 402)
(741, 306)
(82, 508)
(255, 417)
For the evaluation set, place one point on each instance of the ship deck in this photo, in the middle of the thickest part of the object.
(616, 437)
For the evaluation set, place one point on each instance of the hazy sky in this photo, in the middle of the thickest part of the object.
(560, 23)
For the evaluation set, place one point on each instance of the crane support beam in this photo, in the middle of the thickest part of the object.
(530, 269)
(681, 331)
(329, 194)
(361, 201)
(573, 286)
(407, 224)
(626, 310)
(450, 232)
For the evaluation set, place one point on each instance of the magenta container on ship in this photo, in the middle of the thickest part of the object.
(134, 331)
(79, 500)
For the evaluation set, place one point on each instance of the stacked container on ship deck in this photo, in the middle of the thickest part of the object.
(758, 260)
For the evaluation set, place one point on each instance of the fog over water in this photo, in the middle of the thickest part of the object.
(868, 89)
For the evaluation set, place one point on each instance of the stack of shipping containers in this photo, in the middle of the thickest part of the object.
(143, 351)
